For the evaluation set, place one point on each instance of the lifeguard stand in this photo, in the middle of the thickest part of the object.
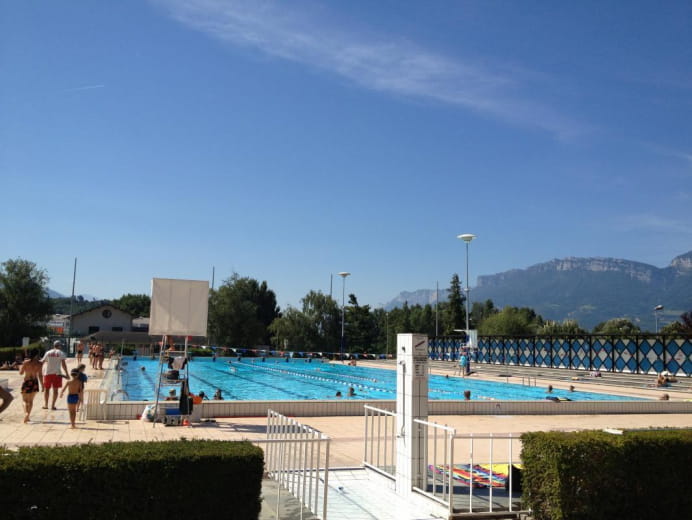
(178, 308)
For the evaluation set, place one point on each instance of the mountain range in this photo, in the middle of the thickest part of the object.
(589, 290)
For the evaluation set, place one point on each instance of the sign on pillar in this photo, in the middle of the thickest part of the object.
(411, 404)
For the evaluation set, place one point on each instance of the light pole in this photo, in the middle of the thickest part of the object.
(467, 237)
(657, 310)
(343, 275)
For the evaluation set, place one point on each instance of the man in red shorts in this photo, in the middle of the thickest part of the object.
(54, 361)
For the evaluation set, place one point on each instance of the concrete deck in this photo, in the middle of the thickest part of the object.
(49, 427)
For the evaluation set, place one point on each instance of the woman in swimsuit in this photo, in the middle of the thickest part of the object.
(31, 368)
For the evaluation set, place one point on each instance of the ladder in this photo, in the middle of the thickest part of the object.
(173, 372)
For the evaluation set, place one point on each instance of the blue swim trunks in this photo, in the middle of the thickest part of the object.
(72, 398)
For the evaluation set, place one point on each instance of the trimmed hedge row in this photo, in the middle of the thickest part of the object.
(148, 480)
(596, 475)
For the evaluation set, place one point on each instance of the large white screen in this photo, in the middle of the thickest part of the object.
(179, 307)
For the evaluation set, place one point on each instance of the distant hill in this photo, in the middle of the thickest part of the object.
(589, 290)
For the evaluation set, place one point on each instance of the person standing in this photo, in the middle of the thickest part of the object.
(80, 351)
(463, 364)
(31, 369)
(83, 378)
(55, 361)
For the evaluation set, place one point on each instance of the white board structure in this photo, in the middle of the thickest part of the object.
(179, 307)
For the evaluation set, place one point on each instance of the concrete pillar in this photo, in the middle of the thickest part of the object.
(411, 403)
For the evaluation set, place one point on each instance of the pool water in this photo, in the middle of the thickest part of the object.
(252, 379)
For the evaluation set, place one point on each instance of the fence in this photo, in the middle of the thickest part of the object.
(470, 472)
(297, 457)
(462, 472)
(380, 440)
(641, 354)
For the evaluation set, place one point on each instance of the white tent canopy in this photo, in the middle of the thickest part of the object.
(179, 307)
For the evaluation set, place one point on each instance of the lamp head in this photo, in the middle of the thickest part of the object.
(658, 308)
(466, 237)
(344, 274)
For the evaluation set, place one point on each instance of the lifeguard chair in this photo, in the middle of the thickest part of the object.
(178, 308)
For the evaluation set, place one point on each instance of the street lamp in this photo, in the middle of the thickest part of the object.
(343, 275)
(467, 237)
(657, 311)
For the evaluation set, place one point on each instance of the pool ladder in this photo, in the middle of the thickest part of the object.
(526, 381)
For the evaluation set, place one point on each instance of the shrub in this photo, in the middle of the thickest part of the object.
(152, 480)
(596, 475)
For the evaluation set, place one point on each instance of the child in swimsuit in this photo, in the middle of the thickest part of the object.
(74, 387)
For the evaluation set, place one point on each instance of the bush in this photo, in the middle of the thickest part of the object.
(149, 480)
(596, 475)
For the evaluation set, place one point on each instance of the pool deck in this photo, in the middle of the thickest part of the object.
(48, 427)
(351, 492)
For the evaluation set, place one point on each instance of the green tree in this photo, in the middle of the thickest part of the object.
(24, 303)
(455, 315)
(511, 321)
(686, 320)
(423, 320)
(480, 311)
(63, 305)
(684, 326)
(617, 326)
(291, 330)
(556, 328)
(240, 312)
(315, 327)
(135, 304)
(360, 327)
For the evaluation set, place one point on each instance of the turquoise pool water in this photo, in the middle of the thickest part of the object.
(277, 380)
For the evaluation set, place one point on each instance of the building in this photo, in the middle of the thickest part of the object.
(105, 318)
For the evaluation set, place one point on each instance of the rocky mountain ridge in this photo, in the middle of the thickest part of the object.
(589, 290)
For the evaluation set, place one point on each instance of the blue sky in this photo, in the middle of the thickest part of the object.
(287, 141)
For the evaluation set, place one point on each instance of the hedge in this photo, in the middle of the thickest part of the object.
(148, 480)
(597, 475)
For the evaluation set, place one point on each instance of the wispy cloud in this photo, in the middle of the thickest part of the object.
(676, 154)
(83, 87)
(650, 222)
(392, 65)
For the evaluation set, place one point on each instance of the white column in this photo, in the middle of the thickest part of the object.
(411, 403)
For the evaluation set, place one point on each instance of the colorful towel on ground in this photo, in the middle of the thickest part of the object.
(483, 475)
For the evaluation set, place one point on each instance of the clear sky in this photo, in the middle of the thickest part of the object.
(288, 141)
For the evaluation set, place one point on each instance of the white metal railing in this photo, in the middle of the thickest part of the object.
(438, 439)
(470, 472)
(94, 405)
(297, 457)
(380, 440)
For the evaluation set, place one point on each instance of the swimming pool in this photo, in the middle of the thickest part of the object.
(298, 380)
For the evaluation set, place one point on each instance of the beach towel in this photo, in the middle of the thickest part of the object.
(482, 475)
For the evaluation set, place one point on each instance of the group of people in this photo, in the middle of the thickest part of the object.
(46, 374)
(96, 355)
(196, 399)
(12, 366)
(664, 379)
(351, 392)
